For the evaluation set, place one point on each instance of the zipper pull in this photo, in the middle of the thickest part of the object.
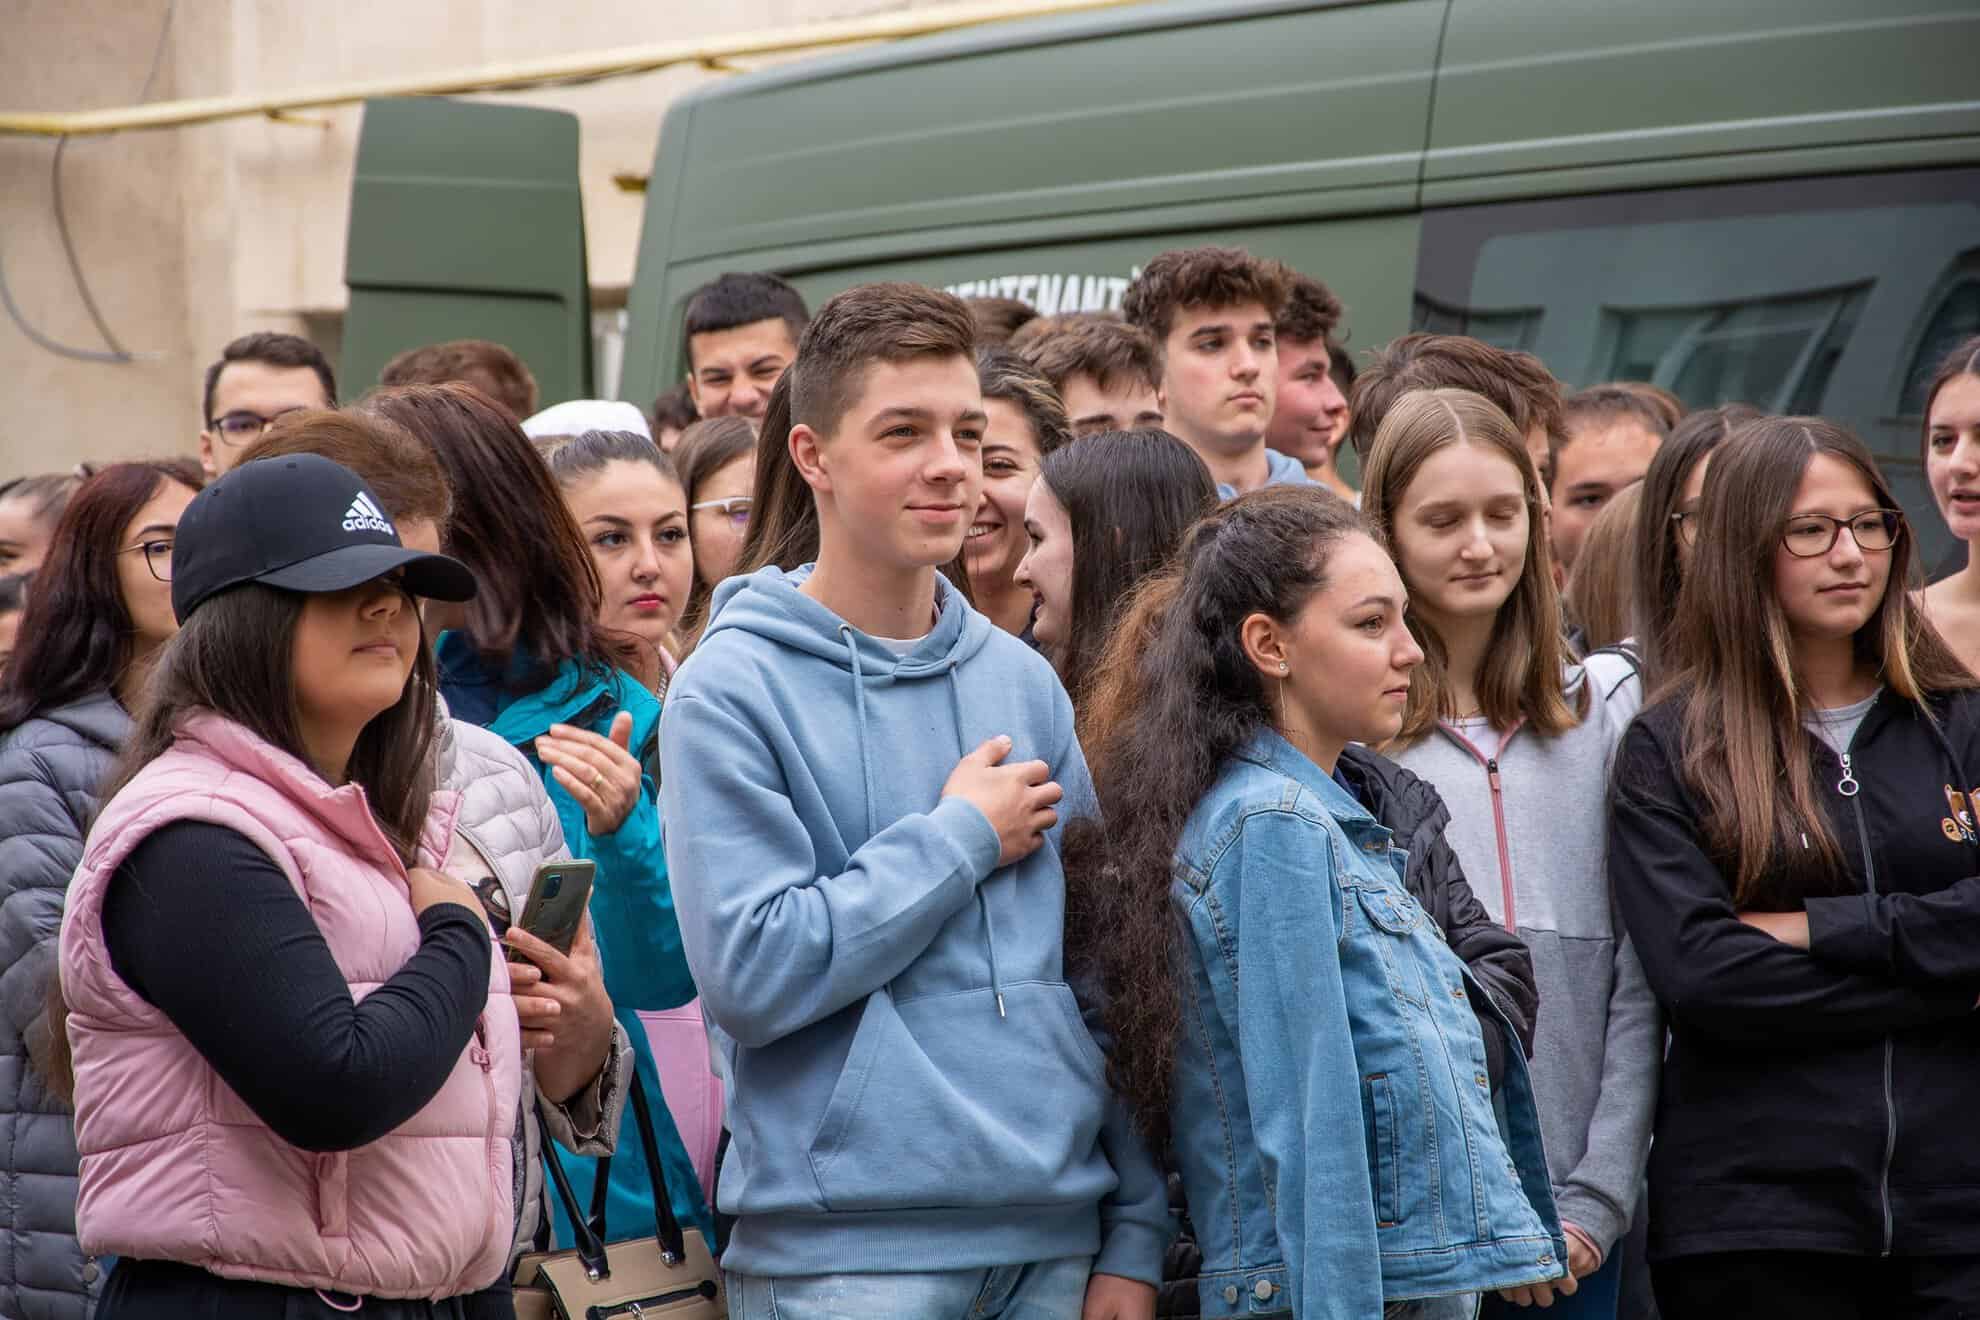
(1847, 785)
(1492, 772)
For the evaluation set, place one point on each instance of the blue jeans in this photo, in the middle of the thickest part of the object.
(1595, 1299)
(1048, 1290)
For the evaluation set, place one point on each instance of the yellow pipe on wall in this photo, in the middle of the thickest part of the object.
(710, 52)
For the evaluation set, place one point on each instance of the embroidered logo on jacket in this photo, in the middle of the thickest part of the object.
(1959, 825)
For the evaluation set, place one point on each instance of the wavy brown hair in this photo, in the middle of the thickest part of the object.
(1183, 699)
(1523, 674)
(537, 589)
(1745, 751)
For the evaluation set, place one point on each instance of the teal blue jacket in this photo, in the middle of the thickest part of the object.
(632, 903)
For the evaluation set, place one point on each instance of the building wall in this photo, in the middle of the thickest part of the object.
(190, 236)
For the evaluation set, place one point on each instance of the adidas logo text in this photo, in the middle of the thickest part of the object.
(364, 516)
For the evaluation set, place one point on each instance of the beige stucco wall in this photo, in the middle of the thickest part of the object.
(190, 236)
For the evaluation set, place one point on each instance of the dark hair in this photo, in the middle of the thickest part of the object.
(1517, 383)
(1108, 351)
(783, 518)
(538, 591)
(1039, 327)
(1340, 365)
(400, 470)
(997, 318)
(1657, 574)
(1004, 375)
(1669, 407)
(274, 350)
(674, 410)
(1963, 360)
(75, 634)
(235, 656)
(48, 492)
(866, 324)
(587, 454)
(482, 363)
(1605, 405)
(13, 594)
(705, 449)
(1129, 496)
(1311, 311)
(1200, 277)
(742, 298)
(1179, 699)
(1745, 754)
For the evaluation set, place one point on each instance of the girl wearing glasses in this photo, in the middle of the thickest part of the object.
(1952, 469)
(1791, 845)
(99, 610)
(1516, 737)
(717, 463)
(1667, 528)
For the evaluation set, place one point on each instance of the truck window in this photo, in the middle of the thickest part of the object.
(1825, 295)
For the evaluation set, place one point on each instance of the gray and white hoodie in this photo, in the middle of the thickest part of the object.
(1529, 824)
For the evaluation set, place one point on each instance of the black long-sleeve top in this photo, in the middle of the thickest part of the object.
(204, 925)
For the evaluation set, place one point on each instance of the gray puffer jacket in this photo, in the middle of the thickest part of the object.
(52, 768)
(509, 820)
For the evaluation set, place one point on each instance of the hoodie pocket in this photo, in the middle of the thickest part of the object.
(942, 1104)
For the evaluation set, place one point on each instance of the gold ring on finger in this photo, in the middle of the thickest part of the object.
(597, 780)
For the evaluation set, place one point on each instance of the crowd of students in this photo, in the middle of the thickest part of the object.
(1111, 864)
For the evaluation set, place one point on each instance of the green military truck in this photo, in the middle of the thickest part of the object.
(1776, 200)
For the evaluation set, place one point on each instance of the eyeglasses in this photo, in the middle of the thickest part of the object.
(1809, 535)
(244, 426)
(1687, 525)
(736, 510)
(157, 557)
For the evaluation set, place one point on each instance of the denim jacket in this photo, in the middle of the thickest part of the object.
(1332, 1117)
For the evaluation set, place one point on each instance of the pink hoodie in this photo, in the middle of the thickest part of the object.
(175, 1167)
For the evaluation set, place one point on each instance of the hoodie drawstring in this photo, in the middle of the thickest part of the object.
(982, 903)
(859, 719)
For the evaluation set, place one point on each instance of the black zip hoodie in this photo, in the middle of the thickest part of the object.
(1816, 1100)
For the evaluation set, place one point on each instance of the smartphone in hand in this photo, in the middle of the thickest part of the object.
(556, 903)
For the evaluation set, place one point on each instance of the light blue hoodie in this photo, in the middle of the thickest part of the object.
(911, 1083)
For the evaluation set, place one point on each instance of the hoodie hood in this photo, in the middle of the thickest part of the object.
(768, 604)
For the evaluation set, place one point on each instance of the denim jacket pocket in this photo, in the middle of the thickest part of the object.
(1378, 1101)
(1393, 918)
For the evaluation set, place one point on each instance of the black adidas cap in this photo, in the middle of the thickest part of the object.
(302, 523)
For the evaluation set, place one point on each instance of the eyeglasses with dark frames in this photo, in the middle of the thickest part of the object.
(157, 557)
(244, 426)
(1811, 535)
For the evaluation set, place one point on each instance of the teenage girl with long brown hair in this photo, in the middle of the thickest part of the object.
(1791, 845)
(1517, 739)
(1951, 444)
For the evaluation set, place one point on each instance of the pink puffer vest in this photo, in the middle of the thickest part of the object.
(175, 1167)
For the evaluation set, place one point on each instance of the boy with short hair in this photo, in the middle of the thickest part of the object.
(742, 331)
(1107, 373)
(492, 368)
(1213, 310)
(860, 777)
(1609, 434)
(1309, 412)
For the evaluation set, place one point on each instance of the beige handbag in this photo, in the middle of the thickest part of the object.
(669, 1276)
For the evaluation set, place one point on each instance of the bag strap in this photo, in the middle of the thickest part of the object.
(590, 1233)
(591, 1229)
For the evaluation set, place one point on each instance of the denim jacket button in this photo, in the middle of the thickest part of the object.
(1262, 1290)
(1231, 1293)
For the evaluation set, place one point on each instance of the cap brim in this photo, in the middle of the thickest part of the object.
(434, 576)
